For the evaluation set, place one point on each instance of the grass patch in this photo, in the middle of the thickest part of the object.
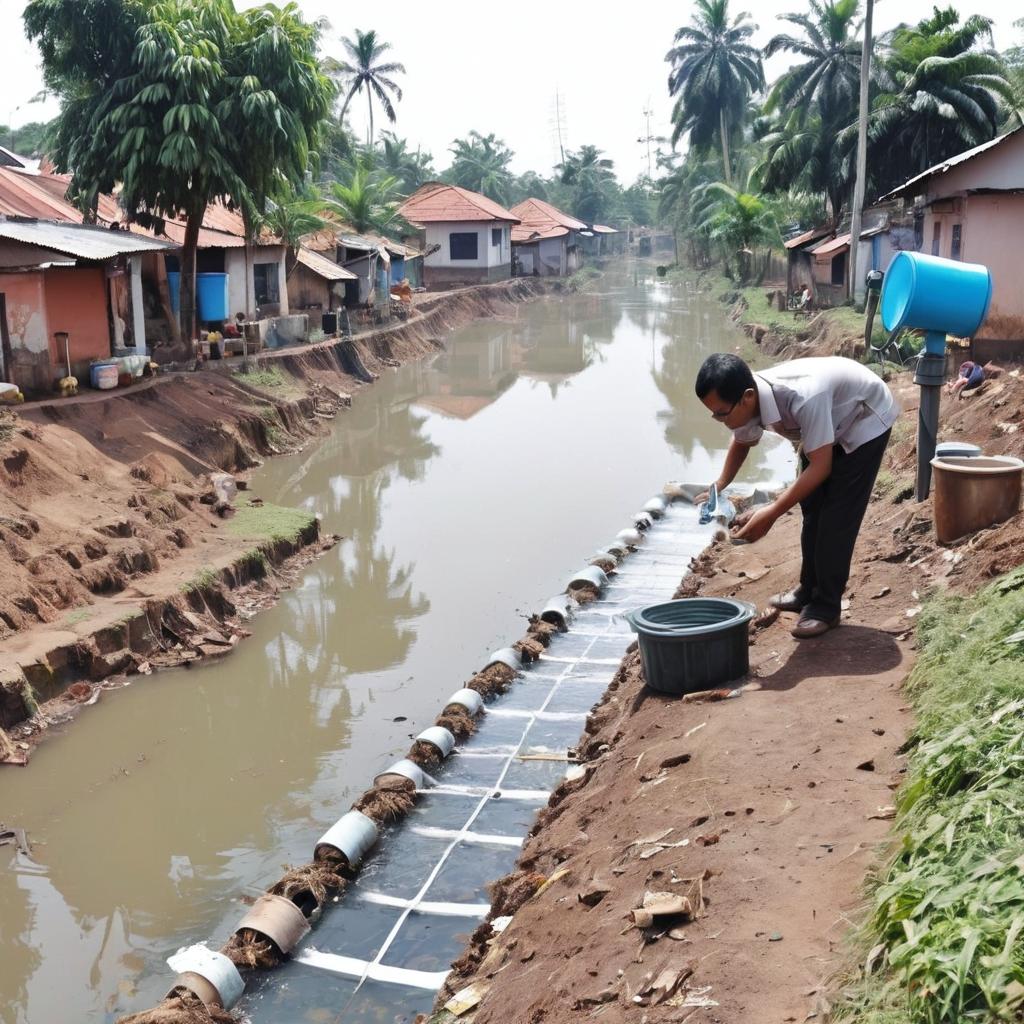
(268, 522)
(267, 377)
(79, 615)
(203, 580)
(255, 561)
(583, 279)
(947, 913)
(30, 699)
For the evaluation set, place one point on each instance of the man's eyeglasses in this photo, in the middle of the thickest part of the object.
(728, 412)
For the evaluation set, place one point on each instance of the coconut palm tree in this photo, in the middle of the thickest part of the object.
(481, 163)
(827, 79)
(363, 71)
(739, 221)
(714, 72)
(941, 93)
(367, 201)
(291, 217)
(394, 158)
(592, 180)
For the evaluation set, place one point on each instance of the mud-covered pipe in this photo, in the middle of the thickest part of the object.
(557, 611)
(407, 770)
(214, 968)
(439, 737)
(631, 537)
(469, 699)
(506, 656)
(352, 835)
(590, 575)
(278, 919)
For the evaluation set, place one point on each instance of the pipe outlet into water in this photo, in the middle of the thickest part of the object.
(469, 699)
(278, 919)
(212, 967)
(590, 574)
(408, 770)
(438, 736)
(352, 835)
(557, 611)
(506, 656)
(631, 537)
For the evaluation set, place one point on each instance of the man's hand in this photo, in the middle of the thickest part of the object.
(753, 525)
(702, 497)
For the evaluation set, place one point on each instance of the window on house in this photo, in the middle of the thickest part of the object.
(463, 245)
(266, 283)
(955, 243)
(936, 237)
(496, 236)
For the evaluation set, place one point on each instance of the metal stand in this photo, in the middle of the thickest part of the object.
(931, 372)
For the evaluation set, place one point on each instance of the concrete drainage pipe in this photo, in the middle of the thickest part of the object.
(469, 699)
(352, 835)
(278, 919)
(557, 611)
(210, 975)
(439, 737)
(590, 576)
(506, 656)
(407, 770)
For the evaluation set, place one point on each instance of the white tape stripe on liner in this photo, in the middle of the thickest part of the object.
(490, 791)
(350, 967)
(470, 837)
(541, 716)
(442, 909)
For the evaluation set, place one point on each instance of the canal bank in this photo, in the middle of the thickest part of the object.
(770, 811)
(466, 488)
(117, 558)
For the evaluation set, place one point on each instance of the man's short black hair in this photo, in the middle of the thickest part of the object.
(725, 374)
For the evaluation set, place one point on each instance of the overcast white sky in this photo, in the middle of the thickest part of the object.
(498, 67)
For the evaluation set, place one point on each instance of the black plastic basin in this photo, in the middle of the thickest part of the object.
(697, 643)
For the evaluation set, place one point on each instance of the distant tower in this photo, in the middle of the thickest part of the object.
(559, 130)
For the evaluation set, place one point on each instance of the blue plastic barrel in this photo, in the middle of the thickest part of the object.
(173, 284)
(212, 293)
(933, 294)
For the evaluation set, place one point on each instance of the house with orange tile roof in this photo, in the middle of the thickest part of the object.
(546, 241)
(466, 235)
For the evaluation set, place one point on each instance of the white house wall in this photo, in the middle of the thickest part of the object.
(241, 280)
(487, 255)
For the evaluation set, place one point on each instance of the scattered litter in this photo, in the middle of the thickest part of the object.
(775, 937)
(650, 840)
(499, 924)
(18, 836)
(866, 766)
(697, 997)
(466, 999)
(766, 618)
(913, 612)
(710, 696)
(883, 814)
(674, 762)
(884, 592)
(696, 728)
(664, 986)
(550, 881)
(689, 906)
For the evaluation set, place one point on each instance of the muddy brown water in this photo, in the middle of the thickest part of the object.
(466, 487)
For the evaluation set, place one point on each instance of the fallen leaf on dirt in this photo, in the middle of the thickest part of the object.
(866, 766)
(656, 838)
(674, 762)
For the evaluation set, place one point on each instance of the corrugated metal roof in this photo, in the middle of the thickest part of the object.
(807, 236)
(833, 245)
(83, 241)
(946, 165)
(542, 220)
(323, 267)
(436, 202)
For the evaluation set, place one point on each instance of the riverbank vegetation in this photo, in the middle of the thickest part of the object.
(941, 942)
(768, 159)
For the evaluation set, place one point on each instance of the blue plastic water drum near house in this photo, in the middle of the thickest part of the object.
(173, 284)
(936, 295)
(212, 295)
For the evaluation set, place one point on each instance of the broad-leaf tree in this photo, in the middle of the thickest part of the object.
(364, 71)
(715, 70)
(210, 104)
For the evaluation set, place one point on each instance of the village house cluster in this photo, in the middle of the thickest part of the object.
(78, 298)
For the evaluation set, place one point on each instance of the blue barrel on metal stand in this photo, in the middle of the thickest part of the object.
(212, 295)
(940, 297)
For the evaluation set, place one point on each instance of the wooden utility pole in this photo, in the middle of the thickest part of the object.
(862, 152)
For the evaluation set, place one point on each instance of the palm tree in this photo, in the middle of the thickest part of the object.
(366, 202)
(290, 218)
(739, 220)
(481, 163)
(941, 94)
(714, 72)
(362, 71)
(394, 157)
(592, 180)
(827, 80)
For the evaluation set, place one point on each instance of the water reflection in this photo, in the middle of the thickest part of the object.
(465, 488)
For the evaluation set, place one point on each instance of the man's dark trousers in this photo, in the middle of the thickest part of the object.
(832, 517)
